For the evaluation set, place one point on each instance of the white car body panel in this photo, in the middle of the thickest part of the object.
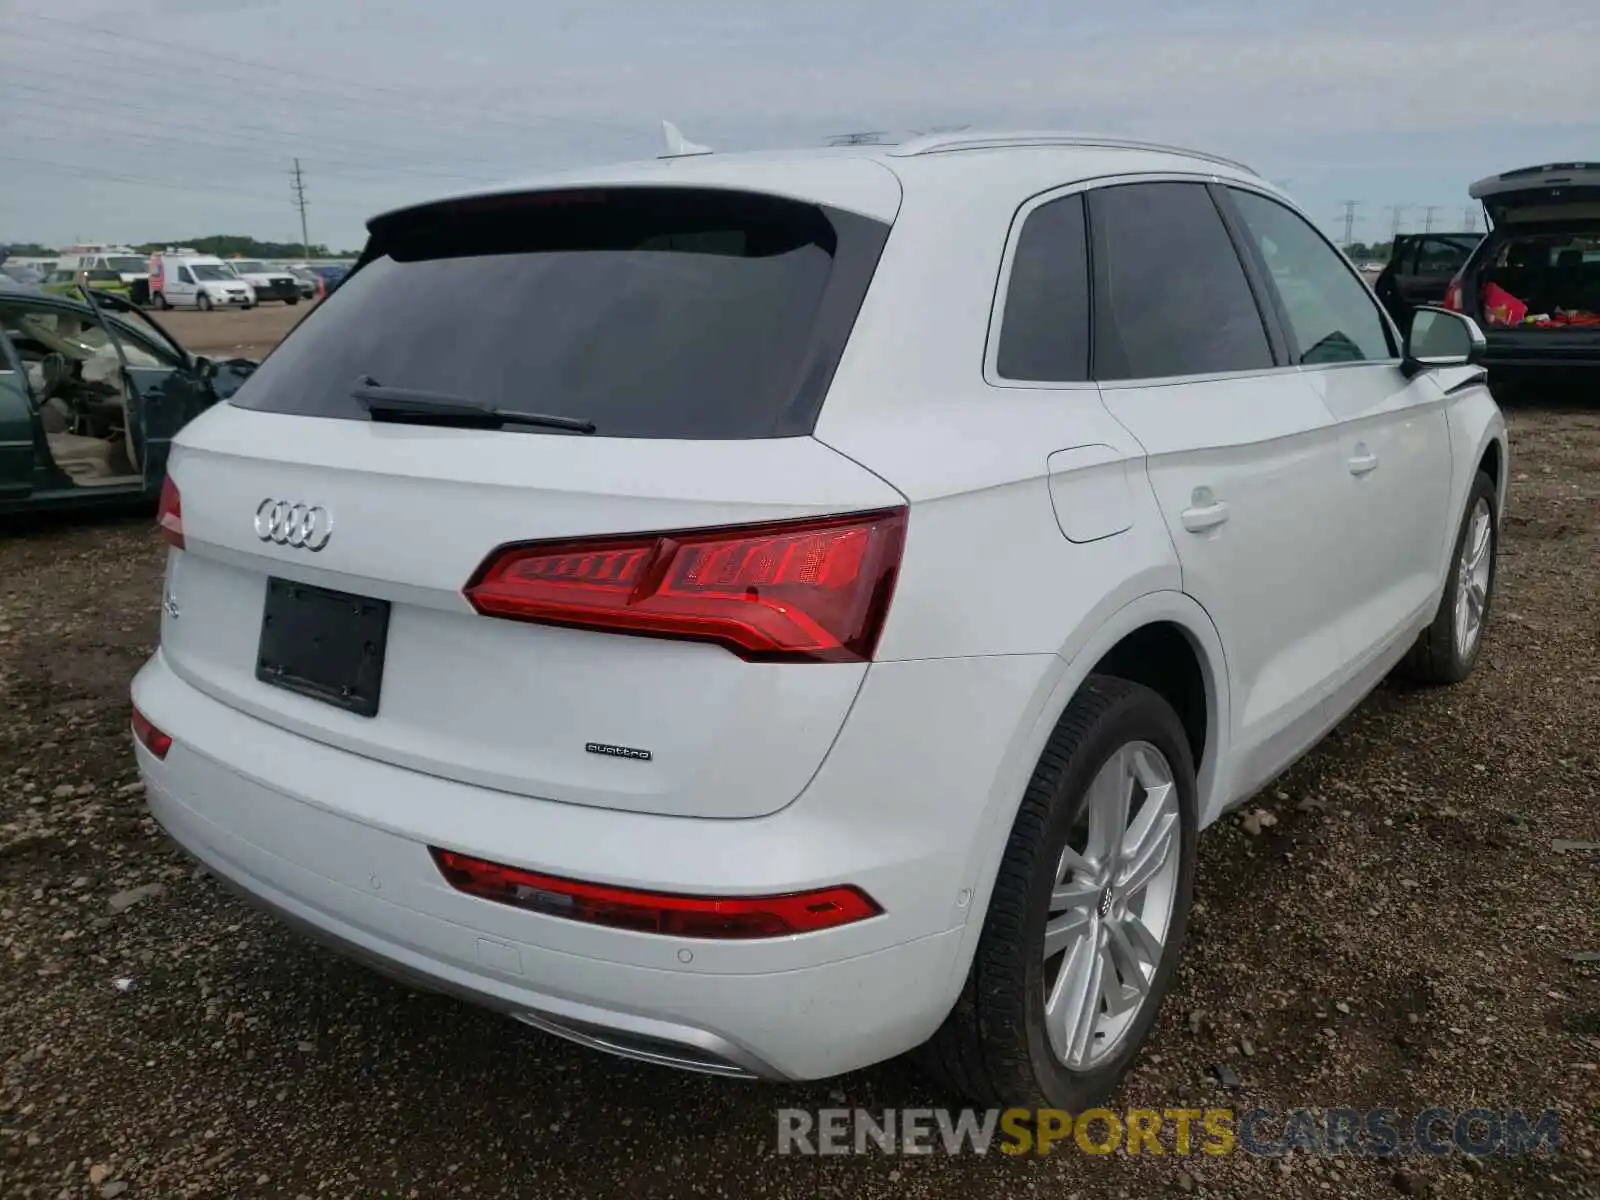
(1047, 523)
(736, 740)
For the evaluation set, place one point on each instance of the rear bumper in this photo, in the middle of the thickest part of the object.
(336, 844)
(1542, 352)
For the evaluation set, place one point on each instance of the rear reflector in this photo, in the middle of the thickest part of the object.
(169, 516)
(814, 590)
(151, 738)
(653, 912)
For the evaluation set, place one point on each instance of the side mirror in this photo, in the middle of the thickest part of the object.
(1438, 338)
(204, 367)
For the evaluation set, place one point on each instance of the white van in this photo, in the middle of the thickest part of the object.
(203, 281)
(96, 256)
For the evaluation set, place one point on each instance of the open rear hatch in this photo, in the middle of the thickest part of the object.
(531, 503)
(1537, 284)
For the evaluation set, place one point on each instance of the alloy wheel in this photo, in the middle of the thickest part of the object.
(1472, 584)
(1111, 906)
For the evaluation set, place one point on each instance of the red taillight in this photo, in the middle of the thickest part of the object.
(655, 912)
(169, 516)
(1452, 296)
(151, 738)
(806, 591)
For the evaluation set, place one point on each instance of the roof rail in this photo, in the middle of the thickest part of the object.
(941, 143)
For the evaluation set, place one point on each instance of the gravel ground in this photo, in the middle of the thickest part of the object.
(234, 332)
(1391, 934)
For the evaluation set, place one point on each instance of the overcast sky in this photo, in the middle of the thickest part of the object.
(144, 120)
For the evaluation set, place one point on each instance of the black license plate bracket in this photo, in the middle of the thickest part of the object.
(324, 644)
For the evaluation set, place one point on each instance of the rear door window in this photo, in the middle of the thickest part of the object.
(1171, 296)
(651, 312)
(1044, 330)
(1442, 256)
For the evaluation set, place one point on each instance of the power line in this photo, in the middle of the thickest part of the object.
(128, 177)
(338, 155)
(205, 55)
(69, 95)
(362, 179)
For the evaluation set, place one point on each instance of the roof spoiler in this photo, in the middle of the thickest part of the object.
(677, 145)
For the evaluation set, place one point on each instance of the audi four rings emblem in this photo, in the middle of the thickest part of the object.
(303, 526)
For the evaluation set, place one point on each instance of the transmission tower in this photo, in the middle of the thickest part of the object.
(1349, 207)
(1396, 213)
(1469, 219)
(299, 191)
(1427, 221)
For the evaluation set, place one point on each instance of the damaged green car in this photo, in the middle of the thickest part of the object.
(92, 392)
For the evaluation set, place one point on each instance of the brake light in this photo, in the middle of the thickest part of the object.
(1452, 296)
(790, 591)
(151, 738)
(169, 516)
(656, 912)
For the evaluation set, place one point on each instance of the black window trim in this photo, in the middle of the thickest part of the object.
(1279, 335)
(1265, 293)
(1099, 285)
(1253, 253)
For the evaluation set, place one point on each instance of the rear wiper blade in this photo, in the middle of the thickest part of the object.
(435, 408)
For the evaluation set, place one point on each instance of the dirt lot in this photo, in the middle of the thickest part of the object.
(1395, 938)
(233, 332)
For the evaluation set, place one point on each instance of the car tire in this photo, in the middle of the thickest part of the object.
(1448, 649)
(996, 1047)
(291, 301)
(202, 302)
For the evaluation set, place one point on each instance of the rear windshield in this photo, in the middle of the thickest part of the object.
(651, 312)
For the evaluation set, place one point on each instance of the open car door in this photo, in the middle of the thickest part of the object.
(16, 426)
(1420, 269)
(1402, 253)
(225, 376)
(166, 387)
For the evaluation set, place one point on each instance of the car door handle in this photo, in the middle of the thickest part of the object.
(1204, 517)
(1363, 461)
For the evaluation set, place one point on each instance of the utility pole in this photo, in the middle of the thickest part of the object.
(1349, 207)
(300, 203)
(1427, 223)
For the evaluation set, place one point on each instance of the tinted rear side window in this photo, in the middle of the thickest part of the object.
(1172, 297)
(1044, 333)
(652, 312)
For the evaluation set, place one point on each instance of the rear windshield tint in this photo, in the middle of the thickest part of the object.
(653, 313)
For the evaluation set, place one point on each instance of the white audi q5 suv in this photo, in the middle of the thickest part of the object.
(764, 613)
